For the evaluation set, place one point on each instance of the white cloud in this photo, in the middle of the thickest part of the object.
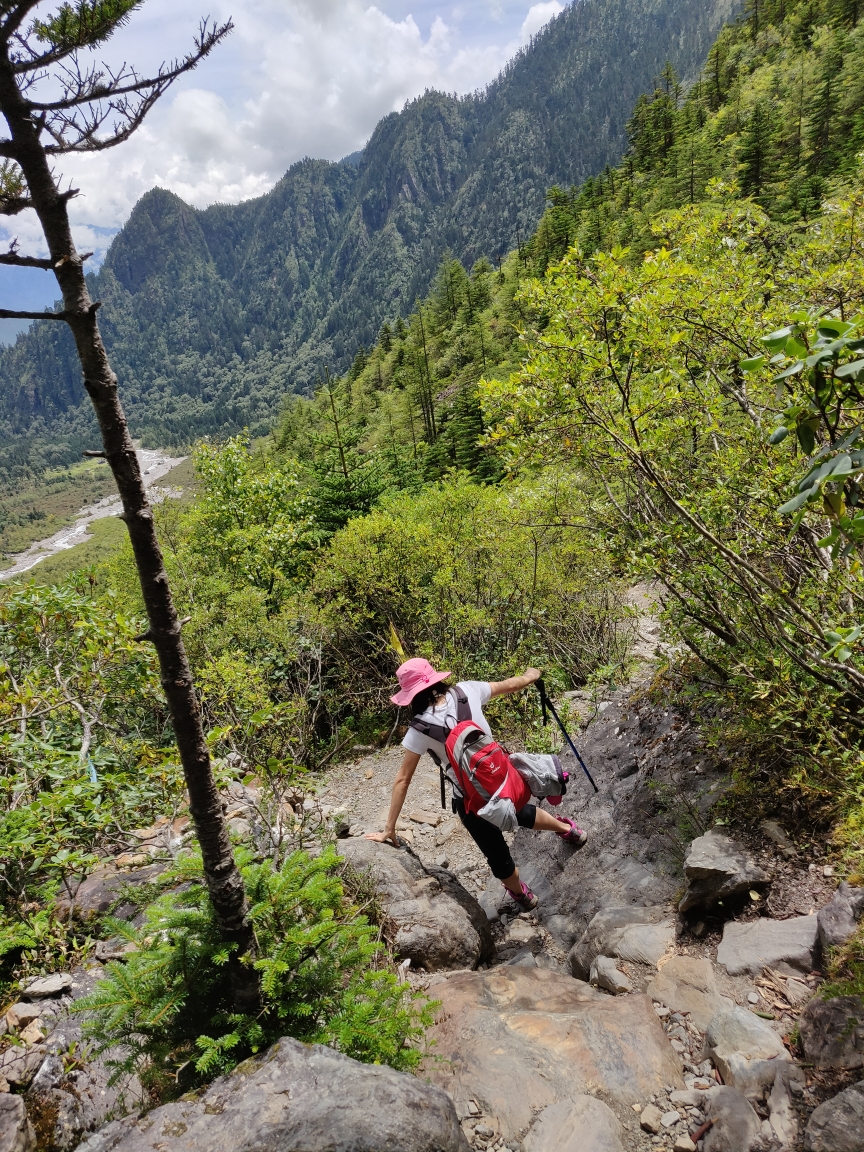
(296, 78)
(538, 15)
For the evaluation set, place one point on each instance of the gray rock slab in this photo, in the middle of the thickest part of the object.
(782, 1118)
(42, 987)
(524, 958)
(839, 918)
(606, 976)
(305, 1098)
(787, 945)
(688, 984)
(717, 867)
(519, 1039)
(565, 930)
(736, 1127)
(832, 1032)
(837, 1125)
(491, 901)
(439, 924)
(745, 1049)
(575, 1126)
(777, 835)
(16, 1131)
(640, 935)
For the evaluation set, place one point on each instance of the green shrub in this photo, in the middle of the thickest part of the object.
(483, 579)
(323, 974)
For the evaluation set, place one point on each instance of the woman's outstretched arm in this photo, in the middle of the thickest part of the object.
(397, 798)
(516, 683)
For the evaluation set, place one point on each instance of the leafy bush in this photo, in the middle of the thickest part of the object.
(82, 738)
(482, 579)
(323, 976)
(652, 379)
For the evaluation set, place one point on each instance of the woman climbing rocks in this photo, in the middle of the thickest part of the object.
(436, 710)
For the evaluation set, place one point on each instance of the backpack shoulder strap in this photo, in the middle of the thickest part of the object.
(440, 732)
(463, 708)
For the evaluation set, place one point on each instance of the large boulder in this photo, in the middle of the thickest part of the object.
(688, 984)
(581, 1125)
(641, 935)
(16, 1131)
(837, 1125)
(745, 1049)
(790, 946)
(718, 868)
(439, 925)
(517, 1040)
(296, 1098)
(839, 918)
(735, 1125)
(832, 1032)
(104, 887)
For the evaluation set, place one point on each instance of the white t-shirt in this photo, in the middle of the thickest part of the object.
(477, 691)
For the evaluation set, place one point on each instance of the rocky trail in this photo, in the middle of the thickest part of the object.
(663, 995)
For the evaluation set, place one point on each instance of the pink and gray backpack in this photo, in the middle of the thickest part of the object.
(484, 769)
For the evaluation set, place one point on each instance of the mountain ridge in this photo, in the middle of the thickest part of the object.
(212, 316)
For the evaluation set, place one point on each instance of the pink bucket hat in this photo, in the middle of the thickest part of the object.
(415, 675)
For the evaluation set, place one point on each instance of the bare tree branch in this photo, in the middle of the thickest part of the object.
(26, 261)
(9, 314)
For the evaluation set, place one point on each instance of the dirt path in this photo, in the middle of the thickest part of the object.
(155, 464)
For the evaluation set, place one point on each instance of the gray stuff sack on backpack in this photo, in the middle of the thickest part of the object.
(543, 774)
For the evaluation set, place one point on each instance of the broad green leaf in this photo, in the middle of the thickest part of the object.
(842, 465)
(852, 369)
(774, 341)
(834, 328)
(815, 476)
(753, 364)
(794, 504)
(794, 370)
(806, 437)
(778, 435)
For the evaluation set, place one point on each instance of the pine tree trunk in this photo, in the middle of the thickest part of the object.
(224, 882)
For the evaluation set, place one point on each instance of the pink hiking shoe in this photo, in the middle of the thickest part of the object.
(575, 836)
(526, 901)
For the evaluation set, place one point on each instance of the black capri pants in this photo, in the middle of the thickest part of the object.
(490, 840)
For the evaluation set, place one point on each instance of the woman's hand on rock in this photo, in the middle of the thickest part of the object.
(383, 837)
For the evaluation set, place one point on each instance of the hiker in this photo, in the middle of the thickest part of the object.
(436, 709)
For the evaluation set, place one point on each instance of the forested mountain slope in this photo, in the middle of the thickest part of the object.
(777, 115)
(213, 316)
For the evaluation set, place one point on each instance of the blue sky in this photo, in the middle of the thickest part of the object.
(296, 78)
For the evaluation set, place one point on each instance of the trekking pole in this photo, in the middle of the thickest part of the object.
(546, 702)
